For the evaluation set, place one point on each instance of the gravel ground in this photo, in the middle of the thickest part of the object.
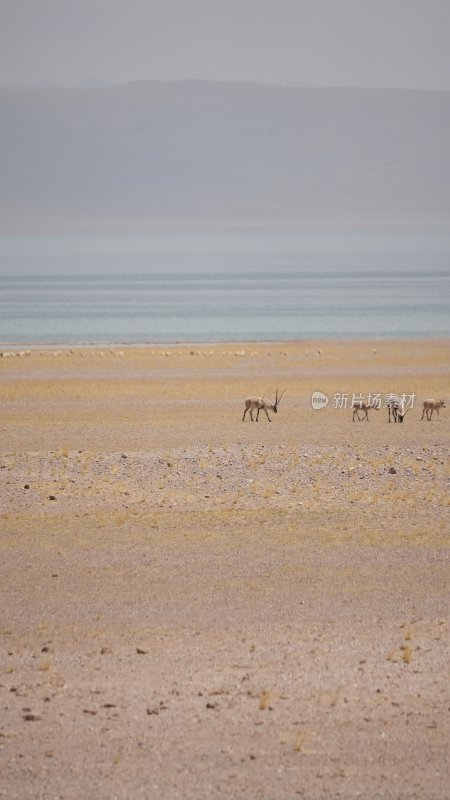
(195, 607)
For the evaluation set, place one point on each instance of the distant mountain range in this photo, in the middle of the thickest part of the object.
(225, 151)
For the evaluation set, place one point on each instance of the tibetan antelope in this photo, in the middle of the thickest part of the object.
(396, 408)
(361, 405)
(432, 405)
(258, 403)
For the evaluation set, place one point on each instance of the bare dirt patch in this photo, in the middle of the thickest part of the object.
(196, 607)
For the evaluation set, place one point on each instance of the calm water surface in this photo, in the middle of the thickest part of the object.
(211, 288)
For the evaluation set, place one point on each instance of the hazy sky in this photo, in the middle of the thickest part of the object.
(402, 43)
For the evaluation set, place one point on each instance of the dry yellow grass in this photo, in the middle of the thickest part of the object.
(162, 562)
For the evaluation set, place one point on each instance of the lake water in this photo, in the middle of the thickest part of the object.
(223, 287)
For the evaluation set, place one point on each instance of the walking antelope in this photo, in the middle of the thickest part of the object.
(432, 405)
(361, 405)
(258, 403)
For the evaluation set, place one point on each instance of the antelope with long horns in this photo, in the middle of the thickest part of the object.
(257, 403)
(396, 408)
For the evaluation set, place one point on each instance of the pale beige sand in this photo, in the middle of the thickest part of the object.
(216, 609)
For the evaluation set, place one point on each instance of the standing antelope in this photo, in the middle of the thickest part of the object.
(432, 405)
(397, 409)
(258, 403)
(361, 405)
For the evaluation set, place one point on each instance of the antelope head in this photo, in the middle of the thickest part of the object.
(277, 400)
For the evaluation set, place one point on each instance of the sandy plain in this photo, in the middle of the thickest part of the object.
(197, 607)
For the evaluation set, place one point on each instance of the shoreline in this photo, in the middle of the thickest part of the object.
(33, 345)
